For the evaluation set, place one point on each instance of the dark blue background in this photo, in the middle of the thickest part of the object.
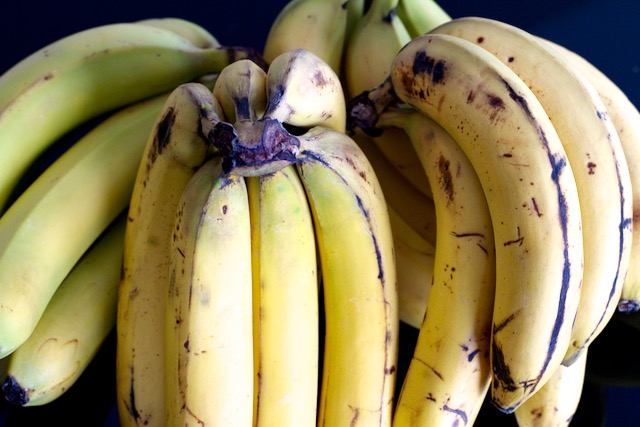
(604, 31)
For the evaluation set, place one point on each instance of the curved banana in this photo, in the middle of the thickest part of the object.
(319, 26)
(449, 374)
(209, 344)
(196, 34)
(530, 189)
(594, 152)
(285, 301)
(355, 247)
(86, 74)
(76, 322)
(556, 402)
(53, 222)
(417, 210)
(414, 270)
(241, 91)
(303, 91)
(176, 146)
(375, 40)
(626, 120)
(421, 16)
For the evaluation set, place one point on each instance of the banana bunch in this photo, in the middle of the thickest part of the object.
(74, 120)
(540, 127)
(258, 257)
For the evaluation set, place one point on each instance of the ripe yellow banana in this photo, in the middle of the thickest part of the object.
(375, 40)
(76, 322)
(209, 344)
(626, 120)
(421, 16)
(410, 203)
(176, 146)
(530, 189)
(355, 249)
(241, 90)
(556, 402)
(86, 74)
(594, 152)
(53, 222)
(285, 301)
(303, 91)
(318, 26)
(450, 373)
(414, 269)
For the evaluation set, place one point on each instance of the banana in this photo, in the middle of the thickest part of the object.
(414, 269)
(53, 222)
(530, 189)
(411, 204)
(241, 91)
(355, 249)
(209, 348)
(88, 73)
(421, 16)
(196, 34)
(285, 301)
(177, 145)
(449, 374)
(375, 40)
(318, 26)
(555, 404)
(76, 322)
(594, 152)
(303, 91)
(626, 120)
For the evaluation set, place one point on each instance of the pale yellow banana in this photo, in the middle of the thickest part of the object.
(594, 152)
(304, 91)
(54, 221)
(175, 148)
(88, 73)
(450, 373)
(531, 193)
(375, 40)
(318, 26)
(73, 327)
(555, 404)
(421, 16)
(285, 301)
(626, 120)
(209, 344)
(355, 247)
(196, 34)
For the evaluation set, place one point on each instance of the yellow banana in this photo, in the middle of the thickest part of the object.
(414, 269)
(555, 404)
(594, 152)
(355, 247)
(76, 322)
(450, 373)
(196, 34)
(318, 26)
(626, 120)
(531, 193)
(408, 202)
(88, 73)
(421, 16)
(241, 90)
(285, 301)
(53, 222)
(209, 348)
(303, 91)
(375, 40)
(176, 146)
